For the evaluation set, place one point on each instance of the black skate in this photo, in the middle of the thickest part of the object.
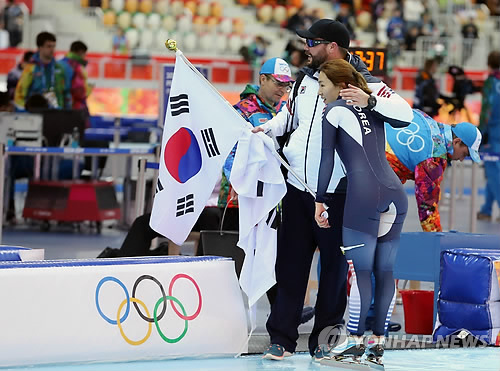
(347, 356)
(374, 356)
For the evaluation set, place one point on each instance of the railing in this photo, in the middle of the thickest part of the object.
(457, 189)
(38, 152)
(455, 50)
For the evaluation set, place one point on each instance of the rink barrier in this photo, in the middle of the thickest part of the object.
(123, 309)
(469, 296)
(419, 253)
(19, 253)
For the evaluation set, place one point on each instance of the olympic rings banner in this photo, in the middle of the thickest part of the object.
(120, 310)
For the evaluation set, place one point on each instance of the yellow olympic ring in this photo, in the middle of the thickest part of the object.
(132, 342)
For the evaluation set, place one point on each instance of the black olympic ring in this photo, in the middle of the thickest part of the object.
(148, 277)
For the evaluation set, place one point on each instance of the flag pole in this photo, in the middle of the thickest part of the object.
(171, 44)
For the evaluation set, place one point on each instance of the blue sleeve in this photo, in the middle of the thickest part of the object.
(228, 165)
(329, 135)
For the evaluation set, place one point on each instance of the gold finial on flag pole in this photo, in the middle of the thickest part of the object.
(171, 44)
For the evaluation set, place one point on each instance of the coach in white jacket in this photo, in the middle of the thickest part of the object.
(300, 121)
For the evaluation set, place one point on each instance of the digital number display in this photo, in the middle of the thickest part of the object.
(374, 58)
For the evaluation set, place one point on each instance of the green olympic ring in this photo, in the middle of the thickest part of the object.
(168, 340)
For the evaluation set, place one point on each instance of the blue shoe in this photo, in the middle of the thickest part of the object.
(322, 351)
(349, 347)
(307, 314)
(276, 352)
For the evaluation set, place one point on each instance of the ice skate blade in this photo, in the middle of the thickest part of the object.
(375, 366)
(345, 365)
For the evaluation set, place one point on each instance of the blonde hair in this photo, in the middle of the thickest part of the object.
(340, 71)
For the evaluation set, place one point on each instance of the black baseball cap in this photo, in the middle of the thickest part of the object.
(327, 29)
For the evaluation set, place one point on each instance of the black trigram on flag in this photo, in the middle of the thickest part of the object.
(185, 205)
(273, 219)
(260, 188)
(210, 144)
(179, 104)
(159, 186)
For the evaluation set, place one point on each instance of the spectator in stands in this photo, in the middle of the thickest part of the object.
(295, 55)
(377, 8)
(411, 37)
(298, 59)
(470, 30)
(75, 76)
(412, 12)
(120, 44)
(298, 20)
(254, 53)
(489, 123)
(426, 91)
(427, 26)
(15, 74)
(396, 28)
(424, 159)
(12, 16)
(43, 75)
(381, 26)
(346, 17)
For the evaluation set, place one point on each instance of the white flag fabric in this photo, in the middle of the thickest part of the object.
(200, 130)
(257, 179)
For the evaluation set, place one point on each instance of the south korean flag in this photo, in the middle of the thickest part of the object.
(200, 130)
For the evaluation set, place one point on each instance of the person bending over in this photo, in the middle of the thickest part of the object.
(375, 208)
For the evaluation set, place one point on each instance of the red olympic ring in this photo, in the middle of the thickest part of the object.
(182, 275)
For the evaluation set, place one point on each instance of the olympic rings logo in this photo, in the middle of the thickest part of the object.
(414, 142)
(146, 315)
(284, 68)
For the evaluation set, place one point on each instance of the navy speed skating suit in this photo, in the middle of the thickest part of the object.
(375, 208)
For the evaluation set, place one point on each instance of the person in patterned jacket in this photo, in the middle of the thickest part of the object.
(421, 152)
(43, 75)
(76, 76)
(258, 104)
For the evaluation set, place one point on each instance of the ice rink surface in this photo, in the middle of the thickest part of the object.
(480, 359)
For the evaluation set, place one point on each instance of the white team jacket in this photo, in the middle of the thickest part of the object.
(303, 151)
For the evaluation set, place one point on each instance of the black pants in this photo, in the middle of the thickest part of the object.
(298, 237)
(139, 237)
(20, 167)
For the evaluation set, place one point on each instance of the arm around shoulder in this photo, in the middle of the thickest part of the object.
(394, 109)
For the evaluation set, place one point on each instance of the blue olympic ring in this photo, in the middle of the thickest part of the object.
(105, 279)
